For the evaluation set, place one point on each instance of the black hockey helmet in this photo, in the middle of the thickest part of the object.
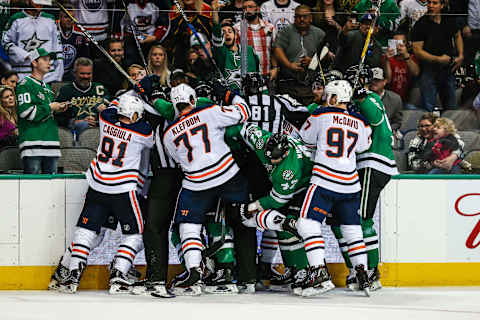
(203, 89)
(252, 83)
(333, 75)
(365, 76)
(276, 147)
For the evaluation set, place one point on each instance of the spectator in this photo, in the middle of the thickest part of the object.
(352, 42)
(418, 144)
(177, 39)
(280, 13)
(294, 48)
(9, 78)
(158, 64)
(202, 68)
(37, 128)
(391, 101)
(106, 73)
(27, 31)
(93, 15)
(226, 51)
(346, 6)
(388, 19)
(401, 68)
(471, 31)
(260, 38)
(232, 13)
(74, 43)
(325, 17)
(8, 117)
(411, 11)
(136, 72)
(144, 15)
(442, 145)
(86, 98)
(432, 37)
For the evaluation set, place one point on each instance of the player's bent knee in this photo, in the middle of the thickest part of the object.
(307, 227)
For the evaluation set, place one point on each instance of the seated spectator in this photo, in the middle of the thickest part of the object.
(27, 31)
(37, 129)
(351, 45)
(158, 64)
(294, 48)
(442, 145)
(74, 43)
(417, 146)
(226, 51)
(433, 37)
(280, 13)
(104, 71)
(388, 19)
(391, 101)
(177, 40)
(9, 78)
(400, 68)
(86, 98)
(8, 117)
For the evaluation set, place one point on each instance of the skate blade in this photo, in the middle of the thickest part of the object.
(190, 291)
(140, 291)
(165, 294)
(324, 288)
(70, 289)
(119, 289)
(366, 291)
(54, 285)
(297, 291)
(221, 289)
(375, 285)
(352, 287)
(279, 288)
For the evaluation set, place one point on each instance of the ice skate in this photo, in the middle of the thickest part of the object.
(192, 285)
(281, 281)
(351, 281)
(362, 279)
(374, 278)
(60, 275)
(221, 282)
(246, 287)
(318, 282)
(157, 289)
(70, 285)
(300, 278)
(119, 282)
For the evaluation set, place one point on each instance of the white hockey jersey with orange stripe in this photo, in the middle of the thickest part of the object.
(338, 136)
(195, 140)
(123, 154)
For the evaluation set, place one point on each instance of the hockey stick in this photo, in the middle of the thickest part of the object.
(134, 33)
(92, 39)
(195, 33)
(366, 44)
(211, 250)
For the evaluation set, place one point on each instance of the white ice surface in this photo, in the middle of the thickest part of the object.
(387, 304)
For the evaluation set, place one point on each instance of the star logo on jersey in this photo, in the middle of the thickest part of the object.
(234, 77)
(260, 144)
(287, 175)
(33, 43)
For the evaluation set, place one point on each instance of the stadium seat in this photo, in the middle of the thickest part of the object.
(89, 138)
(471, 139)
(464, 119)
(410, 119)
(66, 138)
(401, 160)
(409, 135)
(10, 159)
(75, 160)
(474, 158)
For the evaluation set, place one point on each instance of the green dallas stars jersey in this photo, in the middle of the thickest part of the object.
(37, 130)
(289, 177)
(380, 155)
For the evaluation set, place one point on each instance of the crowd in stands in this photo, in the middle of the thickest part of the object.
(424, 57)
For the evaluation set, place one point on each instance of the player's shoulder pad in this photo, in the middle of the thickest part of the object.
(141, 126)
(195, 110)
(323, 110)
(47, 15)
(360, 117)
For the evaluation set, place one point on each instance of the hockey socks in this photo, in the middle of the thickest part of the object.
(355, 244)
(311, 232)
(83, 242)
(191, 244)
(343, 245)
(225, 254)
(371, 241)
(293, 251)
(127, 250)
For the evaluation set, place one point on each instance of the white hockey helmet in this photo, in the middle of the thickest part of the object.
(128, 105)
(340, 88)
(183, 93)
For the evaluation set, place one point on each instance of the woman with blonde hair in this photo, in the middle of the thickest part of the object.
(158, 64)
(8, 117)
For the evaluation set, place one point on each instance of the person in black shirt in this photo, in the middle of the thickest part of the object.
(432, 44)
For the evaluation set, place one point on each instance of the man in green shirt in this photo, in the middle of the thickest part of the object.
(37, 129)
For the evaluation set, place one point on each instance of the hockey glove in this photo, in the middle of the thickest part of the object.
(254, 207)
(223, 93)
(360, 93)
(146, 86)
(160, 93)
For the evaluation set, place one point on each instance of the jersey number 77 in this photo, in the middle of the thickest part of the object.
(184, 137)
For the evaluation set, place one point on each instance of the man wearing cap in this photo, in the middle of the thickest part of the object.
(351, 45)
(391, 101)
(27, 31)
(37, 128)
(202, 68)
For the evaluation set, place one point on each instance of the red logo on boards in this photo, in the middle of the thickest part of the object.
(476, 230)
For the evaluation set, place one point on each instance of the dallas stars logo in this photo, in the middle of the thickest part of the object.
(33, 43)
(234, 77)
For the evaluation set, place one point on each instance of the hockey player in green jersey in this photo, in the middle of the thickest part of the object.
(227, 53)
(290, 168)
(375, 168)
(37, 129)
